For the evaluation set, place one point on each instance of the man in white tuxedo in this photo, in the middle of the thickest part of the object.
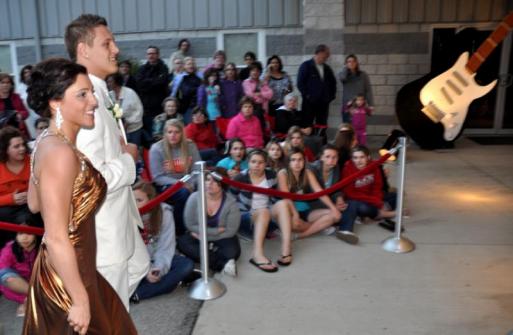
(121, 257)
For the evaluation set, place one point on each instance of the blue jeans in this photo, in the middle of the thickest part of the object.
(219, 253)
(135, 137)
(354, 209)
(181, 268)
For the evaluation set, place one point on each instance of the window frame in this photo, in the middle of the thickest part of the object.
(261, 42)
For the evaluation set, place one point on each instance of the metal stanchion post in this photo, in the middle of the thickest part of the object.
(398, 243)
(204, 288)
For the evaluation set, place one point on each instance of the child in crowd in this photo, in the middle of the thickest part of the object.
(167, 268)
(246, 126)
(236, 161)
(364, 196)
(223, 220)
(359, 111)
(170, 106)
(276, 156)
(16, 261)
(295, 139)
(208, 94)
(40, 125)
(296, 178)
(202, 132)
(257, 211)
(171, 159)
(344, 141)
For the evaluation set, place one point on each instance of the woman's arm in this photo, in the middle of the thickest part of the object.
(166, 245)
(231, 221)
(59, 168)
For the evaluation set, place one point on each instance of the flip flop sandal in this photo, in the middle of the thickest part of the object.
(259, 265)
(282, 258)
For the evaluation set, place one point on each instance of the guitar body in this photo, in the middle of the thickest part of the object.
(432, 109)
(421, 129)
(446, 97)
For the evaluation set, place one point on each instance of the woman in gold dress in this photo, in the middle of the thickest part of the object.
(67, 295)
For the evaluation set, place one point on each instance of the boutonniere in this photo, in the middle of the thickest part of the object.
(117, 111)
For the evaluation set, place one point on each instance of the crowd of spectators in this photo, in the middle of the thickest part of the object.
(247, 126)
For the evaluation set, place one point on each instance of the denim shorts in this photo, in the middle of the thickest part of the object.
(246, 227)
(6, 274)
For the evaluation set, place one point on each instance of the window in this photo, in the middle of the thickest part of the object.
(237, 43)
(6, 65)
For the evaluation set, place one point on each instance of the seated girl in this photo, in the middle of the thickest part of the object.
(170, 159)
(295, 139)
(16, 261)
(257, 210)
(202, 132)
(364, 196)
(276, 159)
(14, 179)
(296, 178)
(170, 107)
(167, 268)
(246, 126)
(223, 220)
(236, 161)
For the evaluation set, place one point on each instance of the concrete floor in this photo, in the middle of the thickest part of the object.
(457, 281)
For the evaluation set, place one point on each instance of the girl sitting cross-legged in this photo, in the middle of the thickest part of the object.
(223, 220)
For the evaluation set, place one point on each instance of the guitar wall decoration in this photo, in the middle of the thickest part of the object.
(445, 99)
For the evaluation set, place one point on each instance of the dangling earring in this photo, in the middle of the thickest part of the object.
(58, 118)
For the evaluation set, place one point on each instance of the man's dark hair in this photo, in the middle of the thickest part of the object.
(154, 47)
(182, 41)
(81, 30)
(328, 146)
(250, 54)
(117, 78)
(321, 48)
(360, 148)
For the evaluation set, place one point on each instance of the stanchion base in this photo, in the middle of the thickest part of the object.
(206, 290)
(399, 245)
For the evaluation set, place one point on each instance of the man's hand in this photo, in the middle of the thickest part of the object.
(130, 148)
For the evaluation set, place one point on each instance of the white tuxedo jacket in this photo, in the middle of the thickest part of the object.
(118, 217)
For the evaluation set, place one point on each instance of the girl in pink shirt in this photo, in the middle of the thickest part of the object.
(359, 111)
(16, 261)
(246, 126)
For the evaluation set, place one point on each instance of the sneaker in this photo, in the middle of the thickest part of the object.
(358, 220)
(230, 268)
(389, 225)
(347, 236)
(328, 231)
(135, 298)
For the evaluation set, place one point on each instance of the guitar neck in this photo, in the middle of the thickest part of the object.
(486, 48)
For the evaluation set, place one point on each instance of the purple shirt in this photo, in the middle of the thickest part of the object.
(231, 93)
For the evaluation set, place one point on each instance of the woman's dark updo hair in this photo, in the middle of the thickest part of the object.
(49, 80)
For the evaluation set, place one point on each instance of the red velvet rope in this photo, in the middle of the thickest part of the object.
(145, 209)
(21, 228)
(161, 197)
(310, 196)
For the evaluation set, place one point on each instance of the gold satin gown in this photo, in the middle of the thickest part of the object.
(48, 302)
